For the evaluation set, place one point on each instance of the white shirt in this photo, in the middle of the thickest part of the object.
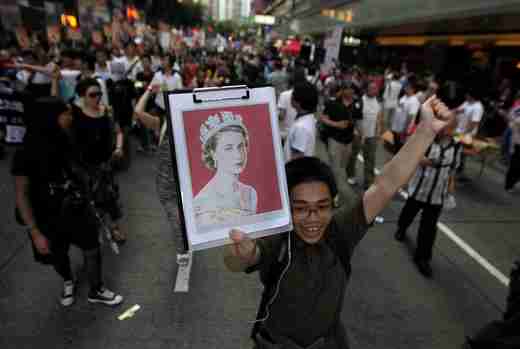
(103, 72)
(284, 103)
(391, 94)
(167, 83)
(407, 109)
(118, 67)
(302, 137)
(471, 112)
(164, 40)
(37, 78)
(371, 109)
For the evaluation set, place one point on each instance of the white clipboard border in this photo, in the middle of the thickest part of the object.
(209, 98)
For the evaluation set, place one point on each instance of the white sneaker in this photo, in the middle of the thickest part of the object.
(105, 296)
(183, 259)
(352, 181)
(67, 297)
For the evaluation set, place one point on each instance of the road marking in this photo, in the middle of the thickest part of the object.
(458, 241)
(182, 284)
(474, 254)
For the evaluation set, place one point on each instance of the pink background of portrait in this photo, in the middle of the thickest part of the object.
(260, 171)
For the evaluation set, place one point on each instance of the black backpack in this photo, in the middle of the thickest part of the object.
(502, 334)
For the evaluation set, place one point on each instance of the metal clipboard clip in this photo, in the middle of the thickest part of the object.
(217, 94)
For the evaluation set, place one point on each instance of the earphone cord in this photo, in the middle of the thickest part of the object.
(277, 289)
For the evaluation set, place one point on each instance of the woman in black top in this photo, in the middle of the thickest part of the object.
(52, 199)
(94, 133)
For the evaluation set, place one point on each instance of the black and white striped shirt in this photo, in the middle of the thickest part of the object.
(430, 183)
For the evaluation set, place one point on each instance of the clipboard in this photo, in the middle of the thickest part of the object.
(230, 170)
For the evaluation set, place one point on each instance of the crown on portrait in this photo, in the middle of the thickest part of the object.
(217, 122)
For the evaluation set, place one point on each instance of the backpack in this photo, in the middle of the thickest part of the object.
(502, 334)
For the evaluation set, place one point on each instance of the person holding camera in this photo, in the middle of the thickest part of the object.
(53, 200)
(305, 271)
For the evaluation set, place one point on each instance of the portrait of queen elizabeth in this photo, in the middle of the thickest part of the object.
(225, 144)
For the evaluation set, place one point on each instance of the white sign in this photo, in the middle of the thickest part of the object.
(262, 19)
(332, 45)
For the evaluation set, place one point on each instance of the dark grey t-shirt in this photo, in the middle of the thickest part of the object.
(311, 292)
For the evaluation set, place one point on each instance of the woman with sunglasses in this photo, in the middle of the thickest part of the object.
(94, 135)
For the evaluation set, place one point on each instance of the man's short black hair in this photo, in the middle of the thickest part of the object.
(306, 95)
(310, 169)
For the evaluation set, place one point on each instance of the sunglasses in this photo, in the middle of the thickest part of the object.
(95, 94)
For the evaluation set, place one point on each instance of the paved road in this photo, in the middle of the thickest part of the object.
(388, 304)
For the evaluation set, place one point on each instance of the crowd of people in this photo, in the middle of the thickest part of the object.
(72, 113)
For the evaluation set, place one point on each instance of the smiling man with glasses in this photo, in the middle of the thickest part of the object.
(305, 272)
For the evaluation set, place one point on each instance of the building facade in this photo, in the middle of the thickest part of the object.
(307, 16)
(224, 10)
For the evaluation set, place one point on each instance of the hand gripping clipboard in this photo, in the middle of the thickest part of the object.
(262, 179)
